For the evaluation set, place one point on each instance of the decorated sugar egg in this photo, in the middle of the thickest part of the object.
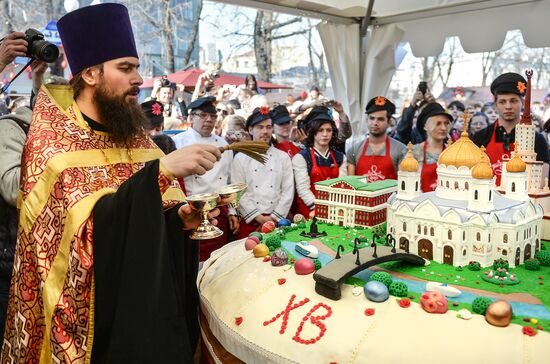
(279, 258)
(283, 222)
(268, 227)
(434, 302)
(304, 266)
(255, 238)
(298, 218)
(260, 250)
(376, 291)
(249, 244)
(256, 234)
(499, 313)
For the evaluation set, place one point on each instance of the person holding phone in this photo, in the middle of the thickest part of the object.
(378, 155)
(405, 131)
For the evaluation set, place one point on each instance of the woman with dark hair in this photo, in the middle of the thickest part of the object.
(319, 161)
(251, 84)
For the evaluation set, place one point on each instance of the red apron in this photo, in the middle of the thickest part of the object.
(428, 176)
(496, 153)
(376, 167)
(317, 174)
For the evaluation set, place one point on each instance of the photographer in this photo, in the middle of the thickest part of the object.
(205, 85)
(13, 133)
(405, 131)
(13, 45)
(163, 92)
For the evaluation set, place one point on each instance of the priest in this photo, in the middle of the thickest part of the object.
(104, 270)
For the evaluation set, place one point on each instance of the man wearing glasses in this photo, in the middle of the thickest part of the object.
(508, 90)
(202, 118)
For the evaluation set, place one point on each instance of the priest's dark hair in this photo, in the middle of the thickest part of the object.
(313, 128)
(77, 82)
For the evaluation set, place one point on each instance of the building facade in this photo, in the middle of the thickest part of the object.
(351, 201)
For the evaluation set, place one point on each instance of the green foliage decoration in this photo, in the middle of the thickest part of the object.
(382, 277)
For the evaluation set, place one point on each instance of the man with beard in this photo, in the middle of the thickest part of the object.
(508, 90)
(377, 156)
(202, 117)
(270, 186)
(103, 271)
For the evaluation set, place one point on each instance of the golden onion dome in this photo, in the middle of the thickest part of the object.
(409, 163)
(516, 164)
(463, 152)
(482, 170)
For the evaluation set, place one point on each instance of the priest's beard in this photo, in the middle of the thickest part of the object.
(123, 119)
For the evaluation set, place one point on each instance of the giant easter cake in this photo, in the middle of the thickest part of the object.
(256, 309)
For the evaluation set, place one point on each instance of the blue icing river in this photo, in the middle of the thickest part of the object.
(519, 308)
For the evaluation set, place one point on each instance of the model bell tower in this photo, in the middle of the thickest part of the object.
(408, 177)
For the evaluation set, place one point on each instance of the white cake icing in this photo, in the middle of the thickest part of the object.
(233, 284)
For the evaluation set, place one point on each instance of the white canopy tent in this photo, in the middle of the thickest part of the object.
(361, 37)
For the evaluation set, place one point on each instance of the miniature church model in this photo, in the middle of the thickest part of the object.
(465, 219)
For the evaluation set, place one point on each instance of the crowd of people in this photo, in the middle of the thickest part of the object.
(92, 212)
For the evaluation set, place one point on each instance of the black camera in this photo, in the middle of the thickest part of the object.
(38, 48)
(302, 124)
(165, 82)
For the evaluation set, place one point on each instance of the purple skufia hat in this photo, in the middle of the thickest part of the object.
(95, 34)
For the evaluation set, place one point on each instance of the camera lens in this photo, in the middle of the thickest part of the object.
(43, 51)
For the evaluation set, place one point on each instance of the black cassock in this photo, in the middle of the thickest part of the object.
(145, 269)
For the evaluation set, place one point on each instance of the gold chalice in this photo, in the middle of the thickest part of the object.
(204, 203)
(231, 194)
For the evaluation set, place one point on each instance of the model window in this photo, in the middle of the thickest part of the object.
(404, 226)
(475, 195)
(466, 186)
(513, 187)
(450, 235)
(478, 236)
(432, 232)
(402, 185)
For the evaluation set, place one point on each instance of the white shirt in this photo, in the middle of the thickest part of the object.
(270, 187)
(301, 176)
(214, 179)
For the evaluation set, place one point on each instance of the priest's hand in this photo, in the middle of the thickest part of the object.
(191, 219)
(194, 159)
